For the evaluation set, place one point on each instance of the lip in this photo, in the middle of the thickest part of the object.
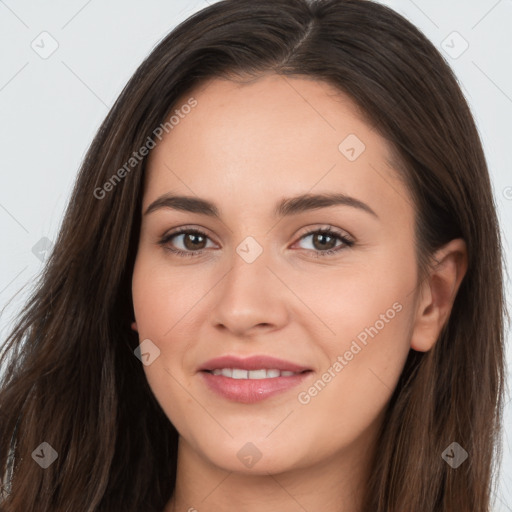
(250, 391)
(252, 363)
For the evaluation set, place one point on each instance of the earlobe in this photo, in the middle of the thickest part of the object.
(134, 326)
(437, 294)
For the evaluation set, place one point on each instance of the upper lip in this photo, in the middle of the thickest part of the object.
(256, 362)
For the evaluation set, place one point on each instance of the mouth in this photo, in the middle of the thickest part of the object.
(240, 373)
(252, 379)
(255, 363)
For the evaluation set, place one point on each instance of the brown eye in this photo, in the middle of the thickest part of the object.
(192, 242)
(325, 241)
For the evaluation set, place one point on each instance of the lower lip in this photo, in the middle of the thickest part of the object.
(249, 391)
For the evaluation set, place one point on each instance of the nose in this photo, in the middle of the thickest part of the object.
(250, 298)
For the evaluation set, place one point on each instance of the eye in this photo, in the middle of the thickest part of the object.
(324, 241)
(194, 241)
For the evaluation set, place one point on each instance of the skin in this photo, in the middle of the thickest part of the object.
(245, 147)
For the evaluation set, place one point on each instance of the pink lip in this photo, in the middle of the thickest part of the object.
(251, 390)
(252, 363)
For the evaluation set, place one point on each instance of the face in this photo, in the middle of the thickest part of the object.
(324, 286)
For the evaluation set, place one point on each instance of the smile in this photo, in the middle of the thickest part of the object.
(238, 373)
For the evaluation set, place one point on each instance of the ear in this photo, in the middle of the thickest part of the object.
(134, 326)
(437, 294)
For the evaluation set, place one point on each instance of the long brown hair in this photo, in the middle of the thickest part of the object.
(72, 379)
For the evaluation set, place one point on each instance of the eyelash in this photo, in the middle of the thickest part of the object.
(347, 243)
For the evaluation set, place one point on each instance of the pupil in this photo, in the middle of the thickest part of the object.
(320, 235)
(188, 239)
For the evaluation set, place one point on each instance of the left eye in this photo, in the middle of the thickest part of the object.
(195, 239)
(324, 238)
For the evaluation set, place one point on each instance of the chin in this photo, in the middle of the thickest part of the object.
(256, 457)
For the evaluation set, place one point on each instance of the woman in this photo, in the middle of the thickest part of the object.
(188, 348)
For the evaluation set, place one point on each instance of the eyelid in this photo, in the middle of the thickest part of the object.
(188, 228)
(325, 227)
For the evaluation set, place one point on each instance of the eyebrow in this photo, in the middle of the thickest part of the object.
(285, 207)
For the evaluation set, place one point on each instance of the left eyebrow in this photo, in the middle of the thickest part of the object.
(307, 202)
(284, 208)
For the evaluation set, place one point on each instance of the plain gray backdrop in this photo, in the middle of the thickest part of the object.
(63, 63)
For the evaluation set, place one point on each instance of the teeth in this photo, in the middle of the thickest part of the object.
(237, 373)
(257, 374)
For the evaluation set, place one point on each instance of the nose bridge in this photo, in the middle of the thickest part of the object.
(249, 294)
(249, 274)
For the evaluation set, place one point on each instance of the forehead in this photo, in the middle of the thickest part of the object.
(271, 137)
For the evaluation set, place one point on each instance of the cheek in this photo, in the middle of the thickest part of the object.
(166, 304)
(160, 300)
(163, 297)
(366, 302)
(350, 394)
(371, 315)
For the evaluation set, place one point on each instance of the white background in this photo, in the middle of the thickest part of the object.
(51, 108)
